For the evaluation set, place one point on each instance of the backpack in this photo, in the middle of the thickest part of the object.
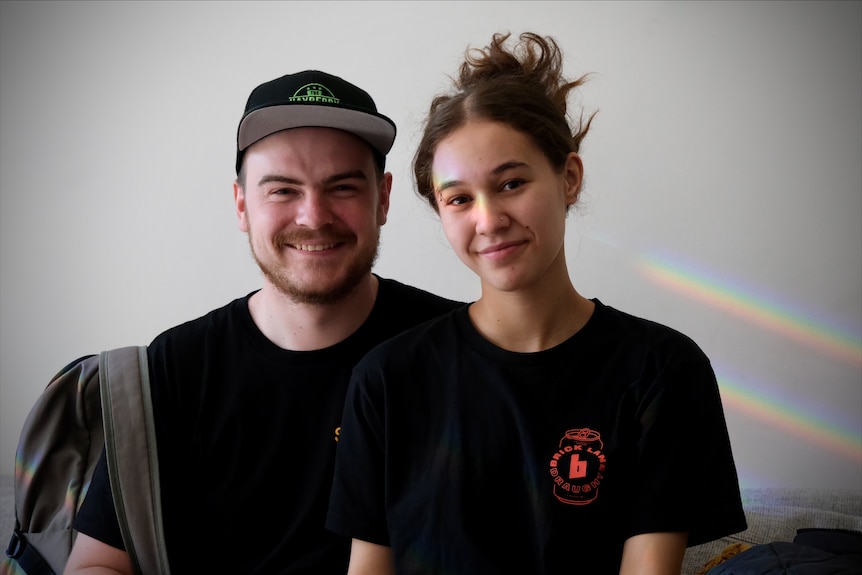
(96, 400)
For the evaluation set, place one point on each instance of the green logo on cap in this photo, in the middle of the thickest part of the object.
(314, 92)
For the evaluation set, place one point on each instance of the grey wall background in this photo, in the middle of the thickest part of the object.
(723, 182)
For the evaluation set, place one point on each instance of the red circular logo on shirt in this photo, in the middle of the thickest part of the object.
(577, 467)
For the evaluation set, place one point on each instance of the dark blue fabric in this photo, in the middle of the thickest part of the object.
(812, 552)
(839, 541)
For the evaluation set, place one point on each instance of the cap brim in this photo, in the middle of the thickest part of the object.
(378, 130)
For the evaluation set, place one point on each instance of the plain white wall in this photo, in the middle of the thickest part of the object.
(723, 198)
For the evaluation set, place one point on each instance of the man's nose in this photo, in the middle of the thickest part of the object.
(314, 211)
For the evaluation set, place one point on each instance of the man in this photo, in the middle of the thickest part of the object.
(248, 398)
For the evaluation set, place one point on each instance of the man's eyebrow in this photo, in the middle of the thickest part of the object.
(278, 178)
(355, 174)
(505, 166)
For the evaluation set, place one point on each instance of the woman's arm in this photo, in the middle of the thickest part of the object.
(370, 559)
(654, 554)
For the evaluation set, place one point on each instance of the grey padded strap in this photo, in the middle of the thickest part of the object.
(133, 467)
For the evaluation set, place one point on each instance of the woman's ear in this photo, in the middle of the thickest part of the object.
(573, 174)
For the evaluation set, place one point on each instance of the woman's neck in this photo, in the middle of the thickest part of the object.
(531, 320)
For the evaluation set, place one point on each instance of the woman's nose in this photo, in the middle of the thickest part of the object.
(490, 218)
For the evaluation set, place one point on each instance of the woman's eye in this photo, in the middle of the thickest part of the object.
(513, 184)
(458, 200)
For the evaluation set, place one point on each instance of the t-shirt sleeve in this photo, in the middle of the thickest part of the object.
(686, 474)
(357, 502)
(97, 516)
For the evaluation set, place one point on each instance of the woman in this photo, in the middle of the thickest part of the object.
(535, 430)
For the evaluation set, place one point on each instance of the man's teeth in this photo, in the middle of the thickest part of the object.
(314, 248)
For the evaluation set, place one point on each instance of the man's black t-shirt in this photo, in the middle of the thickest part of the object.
(246, 436)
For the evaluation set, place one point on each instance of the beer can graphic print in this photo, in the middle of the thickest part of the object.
(577, 467)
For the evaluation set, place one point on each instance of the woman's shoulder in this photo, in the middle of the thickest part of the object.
(636, 330)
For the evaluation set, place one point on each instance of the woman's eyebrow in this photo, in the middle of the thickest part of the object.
(446, 185)
(505, 166)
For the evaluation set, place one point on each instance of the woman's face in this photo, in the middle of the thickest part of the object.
(502, 205)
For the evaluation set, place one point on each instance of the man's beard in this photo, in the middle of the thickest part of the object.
(284, 281)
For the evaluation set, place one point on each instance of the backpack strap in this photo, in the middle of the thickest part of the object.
(133, 466)
(26, 556)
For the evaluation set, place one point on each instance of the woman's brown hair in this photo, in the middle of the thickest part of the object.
(522, 87)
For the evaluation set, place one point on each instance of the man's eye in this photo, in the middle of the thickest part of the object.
(344, 189)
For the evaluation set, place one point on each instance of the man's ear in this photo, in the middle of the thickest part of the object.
(385, 190)
(573, 173)
(239, 201)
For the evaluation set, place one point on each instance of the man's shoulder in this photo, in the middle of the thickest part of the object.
(223, 318)
(394, 293)
(400, 306)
